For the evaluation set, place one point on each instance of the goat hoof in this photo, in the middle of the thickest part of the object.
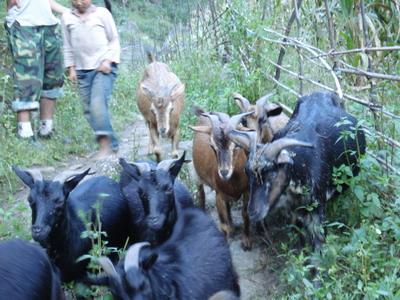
(227, 230)
(246, 244)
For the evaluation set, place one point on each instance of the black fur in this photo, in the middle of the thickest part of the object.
(26, 272)
(314, 121)
(155, 199)
(56, 218)
(194, 263)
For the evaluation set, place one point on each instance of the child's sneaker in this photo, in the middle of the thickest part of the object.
(45, 128)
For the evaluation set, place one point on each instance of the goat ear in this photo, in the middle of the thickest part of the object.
(130, 169)
(70, 184)
(201, 129)
(148, 261)
(25, 176)
(273, 109)
(177, 165)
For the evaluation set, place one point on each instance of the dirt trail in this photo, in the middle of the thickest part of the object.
(255, 280)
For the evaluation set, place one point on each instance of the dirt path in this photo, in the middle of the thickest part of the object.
(255, 279)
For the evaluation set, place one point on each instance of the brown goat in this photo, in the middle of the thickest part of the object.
(160, 96)
(267, 118)
(220, 164)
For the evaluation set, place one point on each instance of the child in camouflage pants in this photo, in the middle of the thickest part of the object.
(35, 46)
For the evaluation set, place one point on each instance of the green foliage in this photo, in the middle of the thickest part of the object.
(361, 255)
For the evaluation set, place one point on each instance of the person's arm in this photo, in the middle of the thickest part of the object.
(69, 61)
(114, 48)
(57, 7)
(11, 3)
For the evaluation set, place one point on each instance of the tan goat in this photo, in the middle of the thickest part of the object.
(267, 118)
(220, 164)
(160, 96)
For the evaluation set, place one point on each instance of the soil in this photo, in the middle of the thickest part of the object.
(257, 280)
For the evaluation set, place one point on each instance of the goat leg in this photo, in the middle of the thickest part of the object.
(175, 143)
(246, 238)
(201, 196)
(223, 213)
(154, 142)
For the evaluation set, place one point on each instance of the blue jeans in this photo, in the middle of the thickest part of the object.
(95, 89)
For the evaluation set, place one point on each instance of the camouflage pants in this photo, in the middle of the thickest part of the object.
(37, 64)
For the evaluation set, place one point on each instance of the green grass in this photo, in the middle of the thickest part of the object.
(362, 250)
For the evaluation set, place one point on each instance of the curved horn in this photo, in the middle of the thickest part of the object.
(234, 121)
(62, 177)
(132, 255)
(107, 266)
(213, 119)
(244, 103)
(261, 102)
(272, 150)
(264, 98)
(223, 117)
(142, 166)
(245, 139)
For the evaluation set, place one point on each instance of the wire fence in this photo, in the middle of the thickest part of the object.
(366, 100)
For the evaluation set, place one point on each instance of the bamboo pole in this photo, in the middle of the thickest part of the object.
(312, 51)
(357, 71)
(287, 32)
(358, 50)
(298, 50)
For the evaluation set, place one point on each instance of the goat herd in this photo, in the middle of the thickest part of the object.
(271, 161)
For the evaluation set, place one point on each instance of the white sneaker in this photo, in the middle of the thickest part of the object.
(25, 130)
(46, 128)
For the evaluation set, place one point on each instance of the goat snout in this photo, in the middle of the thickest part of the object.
(156, 222)
(225, 174)
(163, 132)
(40, 233)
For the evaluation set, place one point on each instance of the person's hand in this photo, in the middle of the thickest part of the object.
(72, 75)
(105, 66)
(11, 3)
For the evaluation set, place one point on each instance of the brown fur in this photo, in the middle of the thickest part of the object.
(159, 87)
(269, 128)
(206, 166)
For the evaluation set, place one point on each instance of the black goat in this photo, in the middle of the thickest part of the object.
(301, 159)
(194, 263)
(154, 196)
(56, 221)
(26, 272)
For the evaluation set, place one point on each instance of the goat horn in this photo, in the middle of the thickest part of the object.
(224, 118)
(235, 120)
(272, 150)
(142, 166)
(62, 177)
(213, 119)
(245, 139)
(132, 255)
(245, 103)
(36, 174)
(107, 266)
(261, 102)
